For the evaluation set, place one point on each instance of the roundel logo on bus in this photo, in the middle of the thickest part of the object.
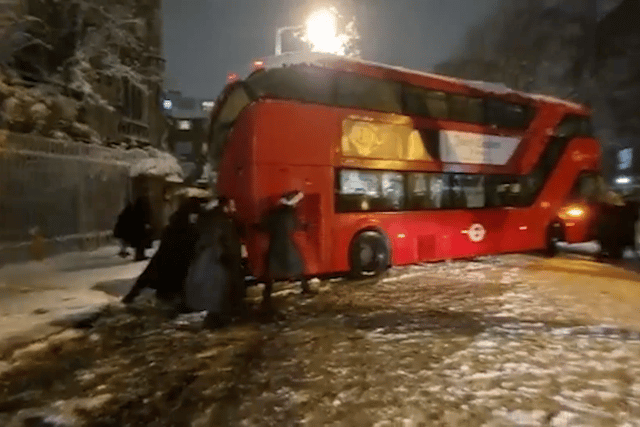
(476, 233)
(578, 156)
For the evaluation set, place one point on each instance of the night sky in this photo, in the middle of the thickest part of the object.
(206, 39)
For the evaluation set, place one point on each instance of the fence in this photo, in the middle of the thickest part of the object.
(72, 192)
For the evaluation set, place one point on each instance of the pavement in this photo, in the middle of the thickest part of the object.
(42, 298)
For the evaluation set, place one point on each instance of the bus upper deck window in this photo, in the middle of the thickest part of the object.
(426, 103)
(301, 83)
(354, 90)
(235, 102)
(466, 109)
(505, 114)
(573, 125)
(588, 187)
(587, 127)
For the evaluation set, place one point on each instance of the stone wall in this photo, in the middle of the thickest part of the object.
(8, 9)
(71, 192)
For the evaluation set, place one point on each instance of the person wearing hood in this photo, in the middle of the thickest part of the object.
(284, 260)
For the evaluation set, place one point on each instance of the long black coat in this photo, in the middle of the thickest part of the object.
(215, 279)
(167, 269)
(122, 230)
(134, 223)
(284, 260)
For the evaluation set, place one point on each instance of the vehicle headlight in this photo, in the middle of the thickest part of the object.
(623, 180)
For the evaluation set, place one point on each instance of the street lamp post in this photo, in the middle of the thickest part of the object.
(279, 36)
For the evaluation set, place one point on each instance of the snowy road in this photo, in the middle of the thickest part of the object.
(514, 340)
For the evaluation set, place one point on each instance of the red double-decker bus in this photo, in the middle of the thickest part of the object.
(399, 166)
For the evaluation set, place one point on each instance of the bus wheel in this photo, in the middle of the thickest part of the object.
(369, 255)
(554, 236)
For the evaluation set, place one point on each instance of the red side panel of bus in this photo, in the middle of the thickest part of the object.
(279, 146)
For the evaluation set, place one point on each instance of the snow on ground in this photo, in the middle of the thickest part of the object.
(511, 358)
(35, 294)
(587, 248)
(461, 343)
(479, 270)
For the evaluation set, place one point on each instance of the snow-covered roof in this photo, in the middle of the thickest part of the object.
(499, 88)
(553, 99)
(325, 59)
(502, 89)
(158, 163)
(292, 58)
(194, 192)
(400, 69)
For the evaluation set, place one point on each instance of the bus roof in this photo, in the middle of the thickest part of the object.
(343, 63)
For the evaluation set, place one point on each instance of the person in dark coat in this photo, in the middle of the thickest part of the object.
(215, 280)
(141, 230)
(284, 260)
(122, 229)
(617, 225)
(167, 269)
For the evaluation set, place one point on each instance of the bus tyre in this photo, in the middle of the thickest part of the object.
(369, 255)
(554, 236)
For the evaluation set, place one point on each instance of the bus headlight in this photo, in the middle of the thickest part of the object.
(575, 212)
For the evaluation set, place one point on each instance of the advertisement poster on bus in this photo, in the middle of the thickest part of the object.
(476, 148)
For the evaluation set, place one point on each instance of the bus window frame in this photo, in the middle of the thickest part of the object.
(574, 197)
(526, 198)
(216, 152)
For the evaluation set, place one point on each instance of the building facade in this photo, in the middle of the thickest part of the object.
(188, 123)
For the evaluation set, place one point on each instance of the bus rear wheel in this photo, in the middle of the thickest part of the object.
(369, 255)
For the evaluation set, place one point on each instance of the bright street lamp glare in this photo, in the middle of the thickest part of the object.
(321, 32)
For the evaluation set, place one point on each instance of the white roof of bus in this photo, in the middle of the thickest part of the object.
(316, 58)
